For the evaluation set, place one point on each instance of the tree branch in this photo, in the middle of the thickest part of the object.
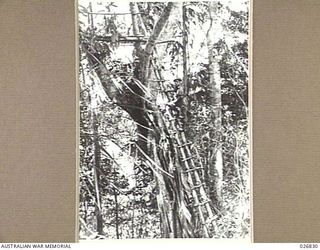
(158, 28)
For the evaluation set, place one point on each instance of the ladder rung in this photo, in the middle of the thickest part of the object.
(201, 203)
(210, 219)
(188, 158)
(184, 145)
(198, 186)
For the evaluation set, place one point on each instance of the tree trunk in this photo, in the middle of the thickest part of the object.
(97, 169)
(185, 102)
(216, 169)
(117, 213)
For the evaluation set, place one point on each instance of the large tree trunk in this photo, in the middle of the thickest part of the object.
(131, 96)
(216, 169)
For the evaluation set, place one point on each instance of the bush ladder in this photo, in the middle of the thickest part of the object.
(199, 195)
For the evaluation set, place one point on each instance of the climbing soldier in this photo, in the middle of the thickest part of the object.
(176, 102)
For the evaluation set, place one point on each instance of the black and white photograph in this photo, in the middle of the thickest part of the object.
(164, 135)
